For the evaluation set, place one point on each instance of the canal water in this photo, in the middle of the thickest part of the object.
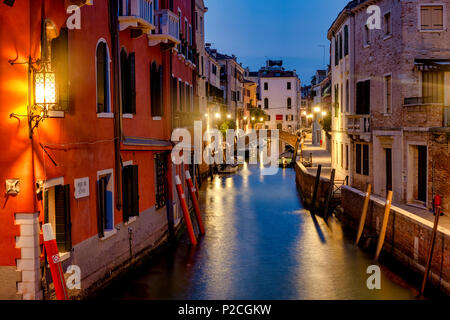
(260, 244)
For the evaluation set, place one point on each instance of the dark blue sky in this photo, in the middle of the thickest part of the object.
(289, 29)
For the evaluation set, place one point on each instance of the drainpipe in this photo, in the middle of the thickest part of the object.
(118, 130)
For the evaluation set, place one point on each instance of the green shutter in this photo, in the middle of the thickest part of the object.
(132, 82)
(161, 91)
(125, 81)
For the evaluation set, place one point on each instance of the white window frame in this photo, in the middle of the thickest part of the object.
(108, 114)
(432, 4)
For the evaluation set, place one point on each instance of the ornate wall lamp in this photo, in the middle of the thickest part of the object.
(42, 92)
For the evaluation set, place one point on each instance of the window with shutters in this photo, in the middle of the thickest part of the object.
(128, 82)
(346, 40)
(336, 51)
(105, 203)
(289, 117)
(289, 85)
(289, 103)
(362, 159)
(156, 90)
(340, 47)
(266, 103)
(130, 191)
(433, 86)
(363, 97)
(161, 186)
(57, 213)
(336, 100)
(266, 86)
(103, 81)
(432, 18)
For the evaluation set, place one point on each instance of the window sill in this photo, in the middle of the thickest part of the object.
(127, 116)
(387, 114)
(388, 36)
(105, 115)
(55, 114)
(108, 234)
(130, 221)
(366, 46)
(157, 118)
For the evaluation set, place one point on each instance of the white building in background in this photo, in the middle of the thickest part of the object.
(280, 94)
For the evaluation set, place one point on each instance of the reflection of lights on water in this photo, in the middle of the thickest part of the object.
(229, 183)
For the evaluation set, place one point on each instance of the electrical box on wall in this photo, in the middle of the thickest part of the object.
(12, 186)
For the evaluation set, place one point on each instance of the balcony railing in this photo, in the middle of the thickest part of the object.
(136, 14)
(358, 124)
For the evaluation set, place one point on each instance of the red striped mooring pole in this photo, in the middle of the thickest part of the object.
(55, 263)
(185, 209)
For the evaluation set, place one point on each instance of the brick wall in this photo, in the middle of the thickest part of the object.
(306, 182)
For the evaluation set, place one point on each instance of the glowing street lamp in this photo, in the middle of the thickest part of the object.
(324, 113)
(261, 119)
(217, 115)
(316, 109)
(304, 113)
(228, 116)
(253, 118)
(309, 116)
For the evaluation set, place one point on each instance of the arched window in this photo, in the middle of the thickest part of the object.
(266, 103)
(102, 68)
(289, 103)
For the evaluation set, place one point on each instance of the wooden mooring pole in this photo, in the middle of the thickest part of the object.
(362, 221)
(387, 210)
(329, 194)
(316, 189)
(430, 252)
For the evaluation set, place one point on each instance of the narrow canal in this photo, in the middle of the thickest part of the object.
(260, 244)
